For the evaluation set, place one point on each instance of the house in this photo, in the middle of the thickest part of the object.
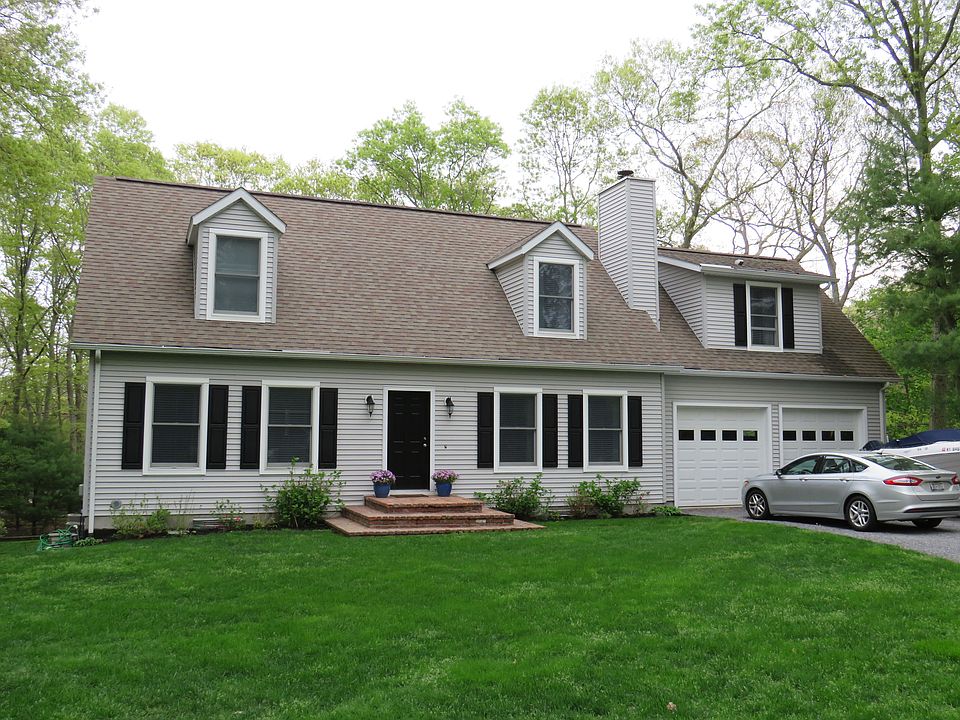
(230, 332)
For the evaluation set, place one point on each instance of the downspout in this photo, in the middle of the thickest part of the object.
(92, 439)
(883, 413)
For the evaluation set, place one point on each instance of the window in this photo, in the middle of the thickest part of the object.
(556, 294)
(789, 435)
(803, 466)
(809, 435)
(846, 435)
(289, 425)
(605, 434)
(686, 435)
(518, 416)
(828, 435)
(175, 430)
(898, 462)
(729, 435)
(764, 303)
(708, 435)
(237, 275)
(751, 436)
(833, 465)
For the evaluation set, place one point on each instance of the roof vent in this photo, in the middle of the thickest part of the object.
(624, 173)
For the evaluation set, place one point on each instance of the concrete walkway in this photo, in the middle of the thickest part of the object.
(943, 541)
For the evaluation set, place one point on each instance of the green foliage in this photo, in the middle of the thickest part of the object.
(526, 501)
(301, 501)
(87, 542)
(3, 527)
(122, 144)
(604, 497)
(39, 474)
(666, 511)
(207, 163)
(136, 520)
(229, 515)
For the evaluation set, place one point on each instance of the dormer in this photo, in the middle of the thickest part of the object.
(545, 280)
(236, 243)
(745, 302)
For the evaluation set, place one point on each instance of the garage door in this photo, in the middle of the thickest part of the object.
(716, 449)
(807, 430)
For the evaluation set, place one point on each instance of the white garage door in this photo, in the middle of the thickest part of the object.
(809, 430)
(716, 449)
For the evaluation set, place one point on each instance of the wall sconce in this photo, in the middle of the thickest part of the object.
(370, 405)
(449, 403)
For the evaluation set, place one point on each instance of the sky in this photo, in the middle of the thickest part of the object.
(300, 79)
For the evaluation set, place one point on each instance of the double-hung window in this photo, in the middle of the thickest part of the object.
(176, 415)
(604, 438)
(764, 316)
(518, 428)
(556, 296)
(289, 414)
(237, 275)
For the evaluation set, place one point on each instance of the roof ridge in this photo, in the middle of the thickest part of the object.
(725, 254)
(313, 198)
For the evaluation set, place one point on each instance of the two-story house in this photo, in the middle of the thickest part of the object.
(230, 332)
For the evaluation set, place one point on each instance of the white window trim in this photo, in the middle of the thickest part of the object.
(201, 467)
(537, 465)
(624, 439)
(765, 348)
(277, 469)
(544, 332)
(261, 315)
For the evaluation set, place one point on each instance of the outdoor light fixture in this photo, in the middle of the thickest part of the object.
(370, 405)
(449, 403)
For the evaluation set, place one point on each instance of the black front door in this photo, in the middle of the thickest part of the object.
(408, 439)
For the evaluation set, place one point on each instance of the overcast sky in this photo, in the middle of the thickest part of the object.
(301, 78)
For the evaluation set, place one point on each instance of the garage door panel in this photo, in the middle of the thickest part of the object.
(810, 430)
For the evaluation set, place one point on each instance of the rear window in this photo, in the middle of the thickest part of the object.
(897, 462)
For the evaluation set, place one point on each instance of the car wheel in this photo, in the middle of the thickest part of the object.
(927, 523)
(860, 514)
(757, 507)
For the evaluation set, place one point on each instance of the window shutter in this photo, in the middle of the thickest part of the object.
(550, 459)
(786, 309)
(739, 314)
(574, 430)
(217, 427)
(635, 431)
(251, 397)
(131, 454)
(485, 430)
(328, 428)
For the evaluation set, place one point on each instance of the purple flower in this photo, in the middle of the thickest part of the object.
(383, 477)
(445, 476)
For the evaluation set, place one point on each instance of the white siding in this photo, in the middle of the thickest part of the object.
(359, 437)
(238, 216)
(806, 319)
(628, 241)
(685, 288)
(718, 391)
(513, 281)
(557, 247)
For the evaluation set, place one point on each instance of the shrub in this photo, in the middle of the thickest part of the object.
(666, 510)
(3, 527)
(229, 515)
(515, 496)
(301, 501)
(135, 521)
(87, 541)
(604, 497)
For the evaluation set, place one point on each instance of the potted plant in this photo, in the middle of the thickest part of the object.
(444, 480)
(382, 480)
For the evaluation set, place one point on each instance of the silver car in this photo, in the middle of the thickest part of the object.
(865, 488)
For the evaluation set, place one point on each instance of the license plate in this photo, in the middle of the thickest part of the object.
(938, 486)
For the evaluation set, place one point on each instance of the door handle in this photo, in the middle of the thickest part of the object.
(424, 444)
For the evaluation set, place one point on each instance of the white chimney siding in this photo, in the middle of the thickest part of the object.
(628, 242)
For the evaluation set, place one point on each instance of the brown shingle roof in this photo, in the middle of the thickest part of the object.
(377, 280)
(750, 262)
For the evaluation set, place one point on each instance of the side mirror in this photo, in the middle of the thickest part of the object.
(778, 472)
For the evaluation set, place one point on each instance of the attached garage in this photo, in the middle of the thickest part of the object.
(715, 449)
(806, 430)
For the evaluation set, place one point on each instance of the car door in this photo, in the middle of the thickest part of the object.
(825, 489)
(789, 494)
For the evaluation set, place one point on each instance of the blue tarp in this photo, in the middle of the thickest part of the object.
(927, 437)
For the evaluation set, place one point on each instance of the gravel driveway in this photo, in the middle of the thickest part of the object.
(943, 541)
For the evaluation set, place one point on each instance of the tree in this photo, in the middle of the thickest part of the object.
(206, 163)
(569, 149)
(900, 59)
(317, 179)
(122, 144)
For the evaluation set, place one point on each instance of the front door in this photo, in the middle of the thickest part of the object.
(408, 439)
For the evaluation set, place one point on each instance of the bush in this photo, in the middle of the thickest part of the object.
(301, 501)
(87, 542)
(135, 521)
(605, 498)
(526, 502)
(3, 527)
(229, 515)
(666, 510)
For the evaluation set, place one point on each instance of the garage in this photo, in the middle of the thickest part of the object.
(806, 430)
(716, 449)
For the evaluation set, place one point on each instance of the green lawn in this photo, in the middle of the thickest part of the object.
(584, 619)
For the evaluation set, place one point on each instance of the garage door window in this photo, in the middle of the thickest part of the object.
(790, 435)
(708, 435)
(846, 435)
(686, 435)
(751, 436)
(809, 435)
(828, 435)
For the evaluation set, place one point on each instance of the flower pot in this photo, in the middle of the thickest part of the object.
(444, 488)
(381, 490)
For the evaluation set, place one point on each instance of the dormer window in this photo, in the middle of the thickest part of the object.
(237, 277)
(556, 296)
(764, 318)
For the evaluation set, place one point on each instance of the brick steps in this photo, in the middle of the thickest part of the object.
(422, 515)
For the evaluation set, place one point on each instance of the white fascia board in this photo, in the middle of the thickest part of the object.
(238, 195)
(558, 227)
(695, 267)
(747, 273)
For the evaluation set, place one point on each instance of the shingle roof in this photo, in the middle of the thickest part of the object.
(365, 279)
(749, 262)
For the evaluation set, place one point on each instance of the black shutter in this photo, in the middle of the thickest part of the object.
(635, 431)
(786, 307)
(550, 455)
(328, 429)
(485, 430)
(574, 430)
(217, 427)
(251, 398)
(131, 454)
(739, 314)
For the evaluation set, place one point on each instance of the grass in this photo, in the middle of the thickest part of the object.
(611, 619)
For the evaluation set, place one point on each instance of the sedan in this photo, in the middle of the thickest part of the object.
(864, 488)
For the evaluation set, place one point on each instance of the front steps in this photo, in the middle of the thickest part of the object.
(422, 515)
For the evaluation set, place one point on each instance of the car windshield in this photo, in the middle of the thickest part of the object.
(898, 462)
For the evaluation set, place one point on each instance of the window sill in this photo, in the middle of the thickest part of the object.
(606, 468)
(160, 470)
(238, 317)
(563, 334)
(515, 469)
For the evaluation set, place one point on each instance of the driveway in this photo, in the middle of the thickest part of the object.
(943, 541)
